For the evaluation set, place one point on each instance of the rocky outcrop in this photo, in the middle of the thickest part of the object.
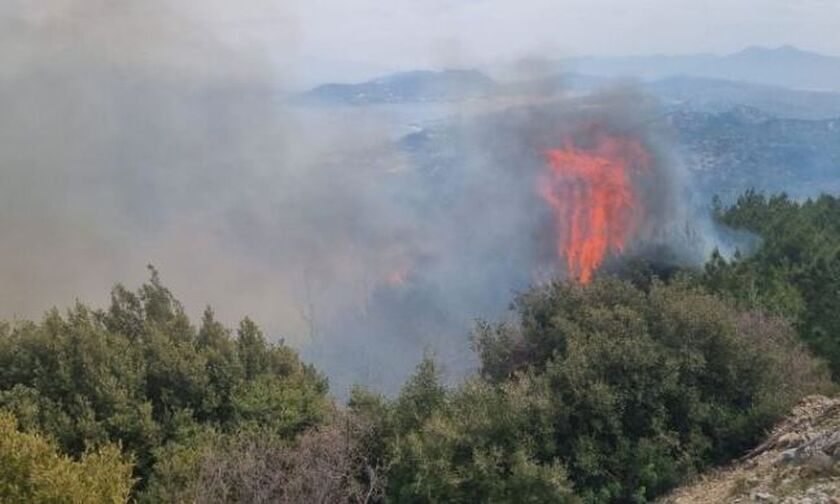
(798, 464)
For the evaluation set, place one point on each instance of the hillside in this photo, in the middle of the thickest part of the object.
(684, 90)
(407, 87)
(719, 95)
(744, 148)
(726, 152)
(798, 463)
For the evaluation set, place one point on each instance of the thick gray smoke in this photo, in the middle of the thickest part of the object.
(137, 132)
(472, 228)
(157, 132)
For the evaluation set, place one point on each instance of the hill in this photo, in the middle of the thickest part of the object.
(727, 151)
(745, 148)
(785, 66)
(696, 93)
(719, 95)
(406, 87)
(674, 85)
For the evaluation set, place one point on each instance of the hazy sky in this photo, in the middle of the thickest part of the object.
(412, 32)
(310, 40)
(408, 33)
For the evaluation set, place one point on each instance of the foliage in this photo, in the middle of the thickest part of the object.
(325, 464)
(796, 270)
(140, 374)
(614, 391)
(483, 444)
(606, 392)
(34, 471)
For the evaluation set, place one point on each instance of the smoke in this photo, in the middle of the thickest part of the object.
(474, 227)
(138, 132)
(157, 132)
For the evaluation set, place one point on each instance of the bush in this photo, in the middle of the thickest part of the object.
(638, 389)
(140, 374)
(489, 444)
(795, 272)
(480, 443)
(34, 471)
(324, 464)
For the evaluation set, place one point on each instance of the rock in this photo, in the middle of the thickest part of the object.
(787, 457)
(789, 439)
(831, 446)
(818, 464)
(764, 497)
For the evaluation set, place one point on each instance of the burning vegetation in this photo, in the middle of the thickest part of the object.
(594, 202)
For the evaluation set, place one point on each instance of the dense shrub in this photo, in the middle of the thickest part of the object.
(325, 464)
(32, 470)
(480, 443)
(623, 391)
(795, 272)
(140, 374)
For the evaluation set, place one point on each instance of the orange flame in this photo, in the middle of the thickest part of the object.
(593, 200)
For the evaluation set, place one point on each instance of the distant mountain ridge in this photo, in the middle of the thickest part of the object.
(719, 95)
(698, 93)
(782, 67)
(785, 66)
(732, 134)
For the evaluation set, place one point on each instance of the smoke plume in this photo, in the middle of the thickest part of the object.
(157, 132)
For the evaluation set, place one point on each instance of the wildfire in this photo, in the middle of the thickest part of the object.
(593, 200)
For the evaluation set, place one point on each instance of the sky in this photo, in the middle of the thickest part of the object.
(405, 33)
(307, 41)
(399, 34)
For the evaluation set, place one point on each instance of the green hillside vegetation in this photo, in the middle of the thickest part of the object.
(795, 272)
(615, 391)
(600, 393)
(33, 470)
(138, 373)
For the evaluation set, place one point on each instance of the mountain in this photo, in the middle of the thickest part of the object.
(704, 94)
(406, 87)
(718, 95)
(744, 148)
(784, 66)
(727, 152)
(697, 93)
(732, 135)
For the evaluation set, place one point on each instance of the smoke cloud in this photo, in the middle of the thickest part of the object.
(158, 132)
(472, 228)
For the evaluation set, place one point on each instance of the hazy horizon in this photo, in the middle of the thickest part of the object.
(299, 44)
